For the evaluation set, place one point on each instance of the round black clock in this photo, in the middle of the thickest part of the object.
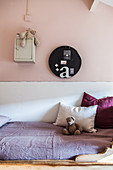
(64, 62)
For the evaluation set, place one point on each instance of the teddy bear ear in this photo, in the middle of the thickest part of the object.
(33, 32)
(29, 29)
(73, 117)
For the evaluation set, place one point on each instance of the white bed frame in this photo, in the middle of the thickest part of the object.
(28, 101)
(24, 101)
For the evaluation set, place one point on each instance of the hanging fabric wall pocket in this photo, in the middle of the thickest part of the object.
(25, 43)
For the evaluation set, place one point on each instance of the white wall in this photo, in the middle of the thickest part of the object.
(58, 22)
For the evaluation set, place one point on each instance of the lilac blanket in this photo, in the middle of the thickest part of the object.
(37, 140)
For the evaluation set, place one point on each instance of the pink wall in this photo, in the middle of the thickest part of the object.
(58, 22)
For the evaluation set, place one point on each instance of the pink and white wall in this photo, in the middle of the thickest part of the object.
(58, 22)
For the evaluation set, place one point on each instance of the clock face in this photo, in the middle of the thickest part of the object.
(64, 62)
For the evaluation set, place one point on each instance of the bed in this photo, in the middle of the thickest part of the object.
(45, 141)
(33, 108)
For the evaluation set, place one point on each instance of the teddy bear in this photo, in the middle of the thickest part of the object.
(72, 128)
(29, 33)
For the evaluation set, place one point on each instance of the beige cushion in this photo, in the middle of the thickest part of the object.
(84, 116)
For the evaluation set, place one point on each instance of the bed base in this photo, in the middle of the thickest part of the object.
(54, 164)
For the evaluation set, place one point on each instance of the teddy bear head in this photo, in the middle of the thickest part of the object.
(70, 120)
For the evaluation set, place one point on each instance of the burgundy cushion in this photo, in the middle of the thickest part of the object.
(104, 114)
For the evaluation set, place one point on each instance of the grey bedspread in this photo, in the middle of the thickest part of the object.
(38, 140)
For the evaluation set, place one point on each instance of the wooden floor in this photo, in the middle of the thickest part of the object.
(51, 164)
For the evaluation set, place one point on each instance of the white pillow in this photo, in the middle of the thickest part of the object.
(4, 120)
(84, 116)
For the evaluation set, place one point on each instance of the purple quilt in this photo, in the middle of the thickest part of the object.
(38, 140)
